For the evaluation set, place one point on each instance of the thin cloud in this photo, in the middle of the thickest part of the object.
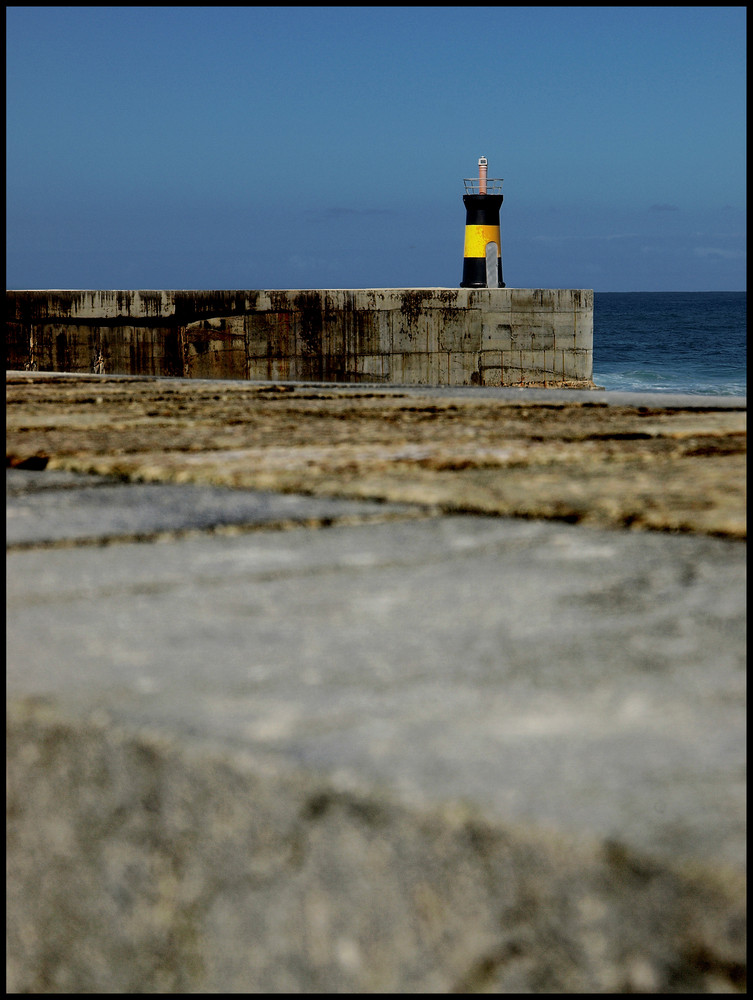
(583, 239)
(343, 211)
(718, 252)
(303, 262)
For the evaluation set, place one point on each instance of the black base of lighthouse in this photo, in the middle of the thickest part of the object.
(474, 273)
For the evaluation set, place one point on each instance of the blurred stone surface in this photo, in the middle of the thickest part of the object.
(580, 456)
(268, 742)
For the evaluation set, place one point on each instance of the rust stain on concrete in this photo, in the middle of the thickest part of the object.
(431, 336)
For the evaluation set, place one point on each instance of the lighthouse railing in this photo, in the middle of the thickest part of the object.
(493, 185)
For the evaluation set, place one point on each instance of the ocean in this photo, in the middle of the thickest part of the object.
(676, 342)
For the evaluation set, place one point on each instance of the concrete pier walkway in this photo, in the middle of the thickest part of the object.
(421, 728)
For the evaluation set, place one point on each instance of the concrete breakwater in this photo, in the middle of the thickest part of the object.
(408, 336)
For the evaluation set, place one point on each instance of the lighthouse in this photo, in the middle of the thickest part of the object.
(482, 257)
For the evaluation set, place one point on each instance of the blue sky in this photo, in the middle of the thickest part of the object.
(325, 147)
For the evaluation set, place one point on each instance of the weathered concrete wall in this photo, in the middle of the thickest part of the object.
(418, 336)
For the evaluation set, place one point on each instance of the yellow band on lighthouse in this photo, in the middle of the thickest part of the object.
(476, 238)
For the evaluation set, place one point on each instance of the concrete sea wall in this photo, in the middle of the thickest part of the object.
(415, 336)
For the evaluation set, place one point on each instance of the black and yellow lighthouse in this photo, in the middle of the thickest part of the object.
(482, 257)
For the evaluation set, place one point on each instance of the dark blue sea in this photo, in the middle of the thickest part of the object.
(678, 342)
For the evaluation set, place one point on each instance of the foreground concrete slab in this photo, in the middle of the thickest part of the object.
(56, 508)
(388, 748)
(456, 754)
(652, 463)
